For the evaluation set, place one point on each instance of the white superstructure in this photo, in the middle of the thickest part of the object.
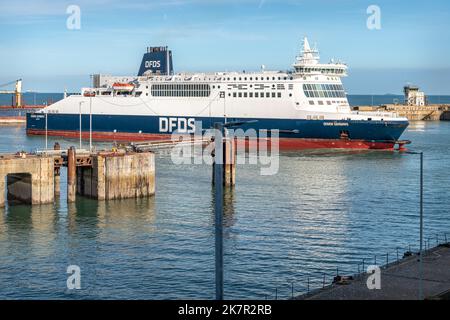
(311, 91)
(308, 102)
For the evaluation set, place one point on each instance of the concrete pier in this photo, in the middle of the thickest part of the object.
(399, 281)
(106, 175)
(115, 176)
(28, 178)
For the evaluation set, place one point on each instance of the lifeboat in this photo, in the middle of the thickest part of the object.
(88, 93)
(123, 86)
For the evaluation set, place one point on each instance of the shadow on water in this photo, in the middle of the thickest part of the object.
(90, 214)
(23, 217)
(18, 216)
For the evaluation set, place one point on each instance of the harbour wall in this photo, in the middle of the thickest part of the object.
(413, 113)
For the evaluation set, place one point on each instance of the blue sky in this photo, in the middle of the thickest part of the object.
(413, 44)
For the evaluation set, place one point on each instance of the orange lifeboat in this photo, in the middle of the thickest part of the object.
(123, 86)
(88, 93)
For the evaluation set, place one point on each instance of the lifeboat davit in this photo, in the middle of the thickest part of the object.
(123, 86)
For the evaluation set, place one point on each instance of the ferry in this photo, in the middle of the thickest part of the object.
(307, 104)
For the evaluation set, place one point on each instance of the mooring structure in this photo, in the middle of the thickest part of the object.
(104, 175)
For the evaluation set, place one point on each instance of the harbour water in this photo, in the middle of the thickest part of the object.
(323, 210)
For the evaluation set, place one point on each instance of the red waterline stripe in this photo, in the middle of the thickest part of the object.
(13, 118)
(107, 136)
(284, 143)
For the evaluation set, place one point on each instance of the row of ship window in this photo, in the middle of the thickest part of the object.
(324, 90)
(257, 95)
(181, 90)
(322, 70)
(204, 90)
(260, 78)
(251, 78)
(321, 103)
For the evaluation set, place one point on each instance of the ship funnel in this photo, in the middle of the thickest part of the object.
(156, 61)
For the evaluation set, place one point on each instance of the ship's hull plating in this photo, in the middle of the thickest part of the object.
(294, 133)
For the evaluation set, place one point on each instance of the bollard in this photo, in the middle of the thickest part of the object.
(375, 260)
(337, 271)
(71, 175)
(397, 254)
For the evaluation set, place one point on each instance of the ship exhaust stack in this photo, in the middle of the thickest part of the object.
(156, 61)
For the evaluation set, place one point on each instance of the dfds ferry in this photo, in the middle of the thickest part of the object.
(308, 105)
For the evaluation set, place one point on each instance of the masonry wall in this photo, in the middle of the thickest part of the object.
(41, 171)
(118, 176)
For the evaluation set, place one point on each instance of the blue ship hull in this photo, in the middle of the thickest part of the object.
(131, 127)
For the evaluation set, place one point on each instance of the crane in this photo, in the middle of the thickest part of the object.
(17, 92)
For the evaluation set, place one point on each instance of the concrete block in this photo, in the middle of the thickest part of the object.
(25, 173)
